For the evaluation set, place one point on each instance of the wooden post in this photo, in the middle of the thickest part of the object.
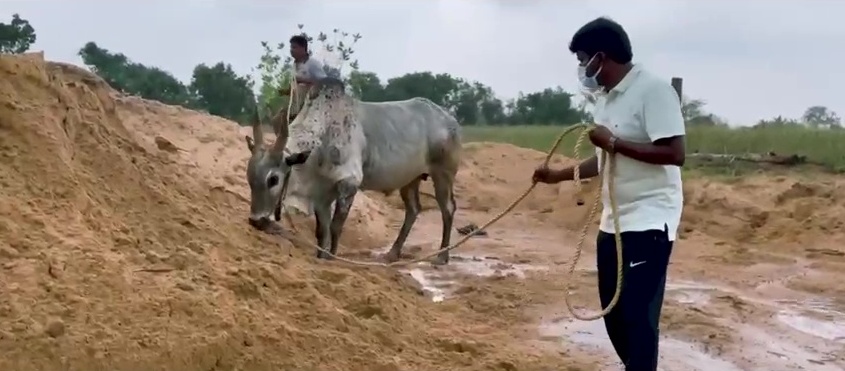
(678, 84)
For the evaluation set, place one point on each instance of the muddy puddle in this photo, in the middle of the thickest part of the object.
(833, 329)
(806, 334)
(441, 281)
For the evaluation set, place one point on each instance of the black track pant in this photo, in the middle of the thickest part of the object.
(632, 324)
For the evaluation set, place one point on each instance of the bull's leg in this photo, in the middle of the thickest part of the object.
(443, 193)
(411, 199)
(346, 191)
(323, 215)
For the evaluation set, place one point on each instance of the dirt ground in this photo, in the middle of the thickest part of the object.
(125, 247)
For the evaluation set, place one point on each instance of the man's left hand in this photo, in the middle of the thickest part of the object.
(600, 137)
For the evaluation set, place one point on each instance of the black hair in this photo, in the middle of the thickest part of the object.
(299, 40)
(603, 35)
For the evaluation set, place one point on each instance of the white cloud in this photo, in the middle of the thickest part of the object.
(748, 59)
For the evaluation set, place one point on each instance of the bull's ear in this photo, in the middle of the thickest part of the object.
(297, 158)
(249, 143)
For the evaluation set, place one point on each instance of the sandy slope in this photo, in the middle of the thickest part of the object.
(125, 246)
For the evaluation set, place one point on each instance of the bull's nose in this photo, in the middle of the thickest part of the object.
(259, 223)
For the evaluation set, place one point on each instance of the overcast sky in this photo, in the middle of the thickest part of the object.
(747, 59)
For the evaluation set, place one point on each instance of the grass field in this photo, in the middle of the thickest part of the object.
(825, 147)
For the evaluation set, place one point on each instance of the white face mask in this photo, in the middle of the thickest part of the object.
(589, 83)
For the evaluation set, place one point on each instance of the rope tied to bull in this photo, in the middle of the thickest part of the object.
(607, 163)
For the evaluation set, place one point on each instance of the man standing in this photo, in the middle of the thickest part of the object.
(640, 124)
(307, 72)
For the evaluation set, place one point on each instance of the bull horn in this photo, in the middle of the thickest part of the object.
(257, 133)
(275, 120)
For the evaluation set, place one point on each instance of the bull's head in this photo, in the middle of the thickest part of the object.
(268, 168)
(266, 172)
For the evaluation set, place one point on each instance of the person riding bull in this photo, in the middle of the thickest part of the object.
(640, 124)
(307, 71)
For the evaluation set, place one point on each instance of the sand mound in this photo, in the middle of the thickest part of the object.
(123, 251)
(757, 209)
(495, 174)
(761, 209)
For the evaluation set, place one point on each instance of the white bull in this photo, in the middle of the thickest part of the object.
(338, 145)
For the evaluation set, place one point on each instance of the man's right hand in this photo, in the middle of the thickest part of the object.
(544, 175)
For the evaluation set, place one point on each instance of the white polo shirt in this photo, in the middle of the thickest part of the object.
(642, 108)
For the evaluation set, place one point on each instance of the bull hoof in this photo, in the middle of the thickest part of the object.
(441, 259)
(391, 257)
(323, 255)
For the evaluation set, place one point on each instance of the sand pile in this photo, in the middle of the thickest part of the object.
(755, 209)
(762, 209)
(121, 251)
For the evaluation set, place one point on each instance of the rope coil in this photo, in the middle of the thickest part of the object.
(607, 166)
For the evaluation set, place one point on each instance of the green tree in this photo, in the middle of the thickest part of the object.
(436, 88)
(17, 36)
(694, 113)
(366, 86)
(490, 108)
(692, 108)
(821, 117)
(275, 67)
(221, 92)
(551, 106)
(470, 102)
(135, 78)
(475, 103)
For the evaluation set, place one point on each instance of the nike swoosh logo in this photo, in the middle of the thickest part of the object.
(632, 264)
